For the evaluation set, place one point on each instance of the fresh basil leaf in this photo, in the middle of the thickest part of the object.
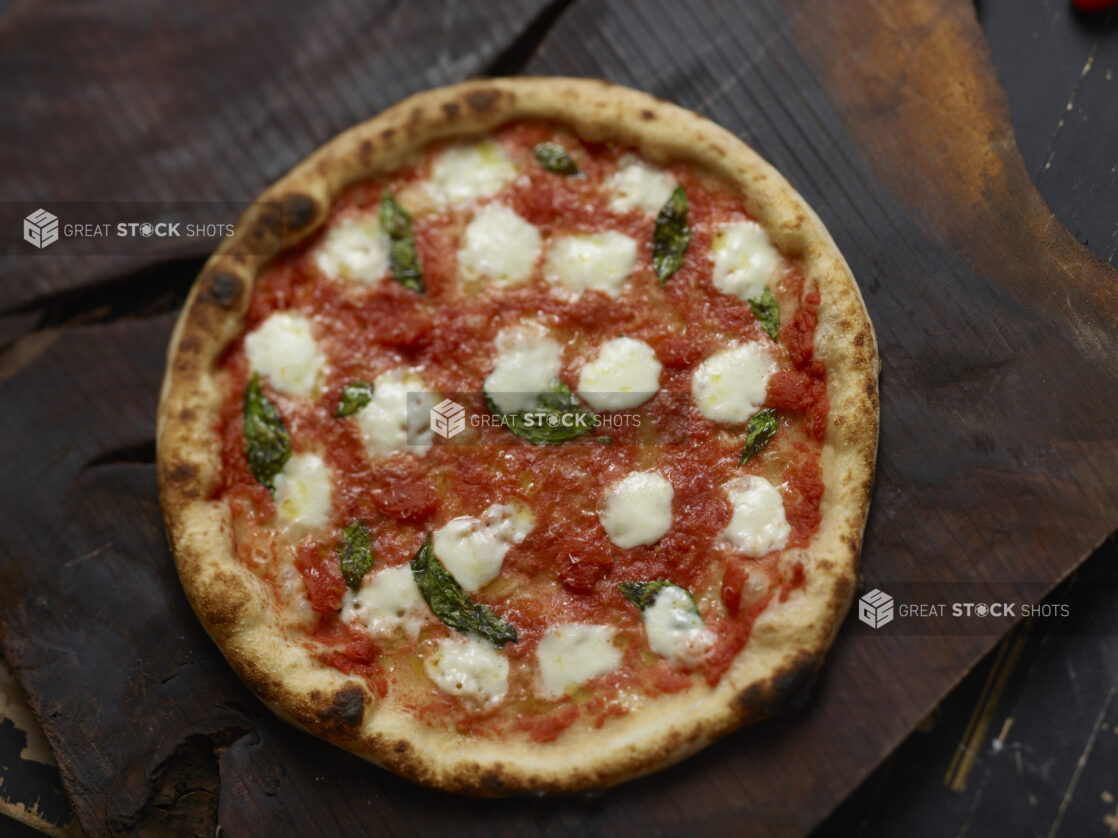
(767, 310)
(670, 236)
(452, 605)
(643, 594)
(267, 444)
(760, 430)
(355, 396)
(556, 418)
(555, 159)
(402, 257)
(355, 554)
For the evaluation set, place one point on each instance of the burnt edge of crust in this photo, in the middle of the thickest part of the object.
(298, 212)
(783, 693)
(347, 708)
(224, 289)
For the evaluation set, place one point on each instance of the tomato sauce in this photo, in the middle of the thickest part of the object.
(567, 569)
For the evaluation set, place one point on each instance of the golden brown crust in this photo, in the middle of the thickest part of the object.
(789, 639)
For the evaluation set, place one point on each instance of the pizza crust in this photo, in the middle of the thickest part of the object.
(789, 639)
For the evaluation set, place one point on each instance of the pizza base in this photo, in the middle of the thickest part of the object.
(789, 639)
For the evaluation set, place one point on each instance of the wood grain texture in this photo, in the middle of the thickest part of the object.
(206, 102)
(996, 465)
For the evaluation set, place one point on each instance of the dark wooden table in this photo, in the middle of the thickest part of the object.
(1026, 744)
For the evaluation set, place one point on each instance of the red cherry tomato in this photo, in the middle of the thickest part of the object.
(1093, 5)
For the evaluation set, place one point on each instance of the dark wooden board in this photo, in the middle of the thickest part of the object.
(995, 469)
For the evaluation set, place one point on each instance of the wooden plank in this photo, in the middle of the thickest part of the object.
(982, 306)
(202, 102)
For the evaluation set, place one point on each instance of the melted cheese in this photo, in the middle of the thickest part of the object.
(758, 524)
(675, 630)
(354, 249)
(500, 245)
(387, 424)
(744, 260)
(527, 365)
(624, 374)
(283, 349)
(573, 653)
(473, 549)
(387, 601)
(731, 384)
(591, 261)
(637, 509)
(637, 185)
(465, 173)
(468, 667)
(303, 491)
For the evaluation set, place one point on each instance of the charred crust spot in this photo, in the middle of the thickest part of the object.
(451, 110)
(182, 473)
(224, 604)
(223, 290)
(186, 414)
(646, 114)
(492, 782)
(347, 708)
(401, 747)
(298, 211)
(387, 134)
(190, 346)
(870, 389)
(270, 223)
(860, 339)
(483, 100)
(784, 692)
(366, 149)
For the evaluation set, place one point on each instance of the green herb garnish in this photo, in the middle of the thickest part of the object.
(556, 418)
(355, 396)
(766, 309)
(670, 236)
(267, 444)
(402, 257)
(452, 605)
(760, 430)
(643, 594)
(555, 159)
(355, 554)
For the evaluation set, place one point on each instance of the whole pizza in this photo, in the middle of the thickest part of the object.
(522, 438)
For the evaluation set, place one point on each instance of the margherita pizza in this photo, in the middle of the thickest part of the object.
(522, 438)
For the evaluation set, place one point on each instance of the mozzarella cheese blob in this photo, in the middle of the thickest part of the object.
(468, 667)
(744, 260)
(731, 384)
(386, 423)
(500, 245)
(283, 350)
(591, 262)
(625, 373)
(757, 525)
(355, 249)
(573, 653)
(303, 491)
(465, 173)
(527, 365)
(473, 549)
(388, 601)
(675, 629)
(637, 185)
(637, 509)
